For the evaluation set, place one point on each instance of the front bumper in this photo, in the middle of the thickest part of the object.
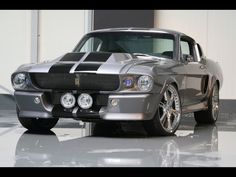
(129, 107)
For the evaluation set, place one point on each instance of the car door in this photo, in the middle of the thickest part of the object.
(196, 75)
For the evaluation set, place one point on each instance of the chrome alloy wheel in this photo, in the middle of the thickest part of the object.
(169, 109)
(215, 102)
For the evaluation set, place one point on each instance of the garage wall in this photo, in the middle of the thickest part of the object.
(123, 18)
(214, 30)
(14, 43)
(60, 31)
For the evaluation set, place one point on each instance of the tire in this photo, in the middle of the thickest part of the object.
(210, 115)
(167, 118)
(37, 125)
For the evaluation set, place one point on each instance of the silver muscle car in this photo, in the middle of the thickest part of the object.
(123, 74)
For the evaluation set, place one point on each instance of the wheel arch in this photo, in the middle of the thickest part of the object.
(173, 81)
(218, 83)
(212, 82)
(175, 84)
(169, 81)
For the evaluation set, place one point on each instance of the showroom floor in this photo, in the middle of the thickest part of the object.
(68, 145)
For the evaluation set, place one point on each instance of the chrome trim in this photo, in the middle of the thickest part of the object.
(197, 53)
(123, 116)
(129, 96)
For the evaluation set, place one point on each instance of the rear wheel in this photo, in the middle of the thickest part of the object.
(210, 115)
(38, 125)
(168, 115)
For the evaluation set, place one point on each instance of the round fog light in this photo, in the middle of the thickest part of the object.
(68, 100)
(85, 101)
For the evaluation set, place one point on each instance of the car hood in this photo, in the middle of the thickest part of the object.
(96, 62)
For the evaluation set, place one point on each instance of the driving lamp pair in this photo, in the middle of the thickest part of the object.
(85, 101)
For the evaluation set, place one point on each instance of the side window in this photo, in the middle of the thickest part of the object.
(185, 48)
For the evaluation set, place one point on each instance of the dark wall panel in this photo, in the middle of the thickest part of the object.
(123, 18)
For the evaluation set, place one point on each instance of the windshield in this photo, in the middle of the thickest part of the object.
(156, 44)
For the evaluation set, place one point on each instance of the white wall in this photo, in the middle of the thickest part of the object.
(14, 43)
(60, 31)
(215, 31)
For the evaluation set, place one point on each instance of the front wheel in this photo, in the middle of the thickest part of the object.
(210, 115)
(37, 125)
(167, 118)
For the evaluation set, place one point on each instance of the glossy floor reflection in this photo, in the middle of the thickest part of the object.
(118, 146)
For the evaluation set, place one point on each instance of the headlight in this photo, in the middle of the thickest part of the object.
(145, 83)
(19, 81)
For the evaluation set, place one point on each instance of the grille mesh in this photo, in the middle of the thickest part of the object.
(93, 82)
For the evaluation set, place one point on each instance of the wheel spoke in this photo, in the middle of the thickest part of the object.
(162, 105)
(165, 96)
(175, 113)
(169, 123)
(171, 100)
(163, 117)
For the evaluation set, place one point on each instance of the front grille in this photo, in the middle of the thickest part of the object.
(62, 81)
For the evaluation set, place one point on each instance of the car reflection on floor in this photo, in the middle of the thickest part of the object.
(104, 148)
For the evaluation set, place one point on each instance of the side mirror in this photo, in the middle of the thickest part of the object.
(187, 58)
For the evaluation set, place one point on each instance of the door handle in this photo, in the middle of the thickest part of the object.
(203, 67)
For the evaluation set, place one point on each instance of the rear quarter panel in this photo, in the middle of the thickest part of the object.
(215, 71)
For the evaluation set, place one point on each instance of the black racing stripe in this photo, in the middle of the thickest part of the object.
(61, 68)
(97, 57)
(72, 57)
(88, 67)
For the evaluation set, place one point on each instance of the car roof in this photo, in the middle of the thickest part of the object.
(136, 29)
